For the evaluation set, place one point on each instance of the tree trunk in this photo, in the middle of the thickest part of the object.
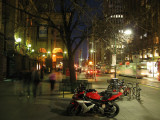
(72, 72)
(71, 69)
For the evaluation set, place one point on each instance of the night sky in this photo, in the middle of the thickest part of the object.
(96, 5)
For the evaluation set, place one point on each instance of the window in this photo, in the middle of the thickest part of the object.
(157, 40)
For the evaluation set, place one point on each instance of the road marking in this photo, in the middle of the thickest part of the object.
(151, 86)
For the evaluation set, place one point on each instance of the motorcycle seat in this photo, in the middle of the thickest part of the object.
(110, 92)
(115, 93)
(90, 90)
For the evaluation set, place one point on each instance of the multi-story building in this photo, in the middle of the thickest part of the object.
(109, 43)
(114, 13)
(27, 40)
(7, 37)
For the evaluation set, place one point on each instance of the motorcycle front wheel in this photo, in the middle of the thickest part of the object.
(73, 109)
(111, 111)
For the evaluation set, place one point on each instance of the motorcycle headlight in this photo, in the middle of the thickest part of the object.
(103, 106)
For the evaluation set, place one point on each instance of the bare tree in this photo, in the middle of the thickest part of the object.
(76, 21)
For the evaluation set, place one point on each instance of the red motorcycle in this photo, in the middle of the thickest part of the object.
(89, 100)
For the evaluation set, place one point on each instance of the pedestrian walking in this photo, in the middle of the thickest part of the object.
(42, 72)
(36, 80)
(52, 79)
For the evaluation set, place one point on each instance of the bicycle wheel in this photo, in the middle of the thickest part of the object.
(138, 93)
(134, 91)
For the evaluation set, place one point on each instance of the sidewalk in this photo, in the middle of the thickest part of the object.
(53, 107)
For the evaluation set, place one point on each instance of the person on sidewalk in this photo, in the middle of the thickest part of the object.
(52, 79)
(42, 72)
(36, 80)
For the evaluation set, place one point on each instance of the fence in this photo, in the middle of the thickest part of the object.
(66, 85)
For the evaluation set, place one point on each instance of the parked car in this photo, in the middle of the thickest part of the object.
(90, 73)
(107, 69)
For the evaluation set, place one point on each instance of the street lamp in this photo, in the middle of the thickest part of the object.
(32, 50)
(18, 41)
(65, 52)
(128, 32)
(29, 46)
(64, 62)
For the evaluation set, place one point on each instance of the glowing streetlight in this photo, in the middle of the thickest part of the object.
(32, 50)
(65, 52)
(18, 40)
(92, 51)
(29, 45)
(128, 32)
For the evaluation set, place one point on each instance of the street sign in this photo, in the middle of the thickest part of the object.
(114, 59)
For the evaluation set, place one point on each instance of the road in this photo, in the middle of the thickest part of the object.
(48, 107)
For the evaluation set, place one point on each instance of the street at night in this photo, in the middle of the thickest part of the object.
(79, 59)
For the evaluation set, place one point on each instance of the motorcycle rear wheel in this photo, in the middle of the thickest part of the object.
(112, 111)
(73, 109)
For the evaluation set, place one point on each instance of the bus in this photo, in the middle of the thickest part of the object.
(138, 70)
(107, 69)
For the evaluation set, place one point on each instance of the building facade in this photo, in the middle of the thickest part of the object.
(26, 40)
(115, 21)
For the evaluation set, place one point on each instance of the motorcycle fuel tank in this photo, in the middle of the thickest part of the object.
(93, 95)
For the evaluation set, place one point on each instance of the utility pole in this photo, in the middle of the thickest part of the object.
(115, 57)
(95, 61)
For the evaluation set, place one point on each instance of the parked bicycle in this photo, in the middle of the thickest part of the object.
(136, 91)
(121, 86)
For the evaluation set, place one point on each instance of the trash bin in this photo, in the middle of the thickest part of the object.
(114, 83)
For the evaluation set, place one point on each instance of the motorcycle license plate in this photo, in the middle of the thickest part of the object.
(103, 105)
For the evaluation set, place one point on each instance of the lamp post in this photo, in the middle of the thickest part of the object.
(64, 62)
(92, 58)
(29, 46)
(18, 41)
(115, 58)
